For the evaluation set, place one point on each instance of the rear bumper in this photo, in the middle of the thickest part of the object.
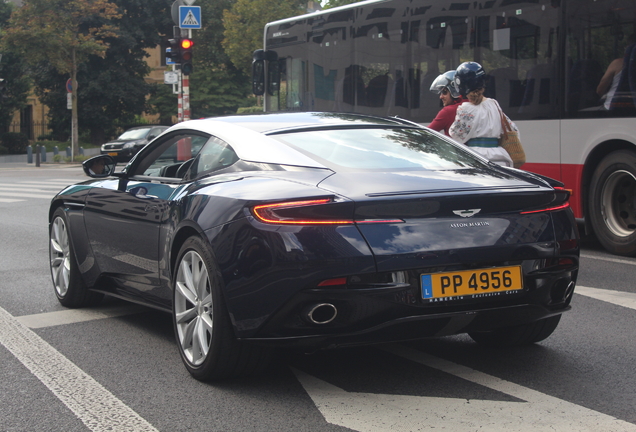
(419, 327)
(367, 317)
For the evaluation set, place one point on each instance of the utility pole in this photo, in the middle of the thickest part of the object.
(186, 18)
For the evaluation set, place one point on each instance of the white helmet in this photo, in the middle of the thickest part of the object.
(446, 80)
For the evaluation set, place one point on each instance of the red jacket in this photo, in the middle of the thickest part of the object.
(446, 116)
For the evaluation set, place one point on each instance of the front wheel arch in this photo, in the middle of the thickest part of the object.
(203, 329)
(68, 283)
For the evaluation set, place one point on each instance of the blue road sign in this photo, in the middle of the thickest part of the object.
(190, 17)
(168, 59)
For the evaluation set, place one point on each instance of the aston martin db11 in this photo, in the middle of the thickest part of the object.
(316, 230)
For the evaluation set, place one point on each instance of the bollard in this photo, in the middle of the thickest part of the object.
(68, 152)
(43, 149)
(37, 155)
(81, 151)
(29, 154)
(55, 151)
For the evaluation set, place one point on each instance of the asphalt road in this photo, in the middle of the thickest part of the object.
(117, 367)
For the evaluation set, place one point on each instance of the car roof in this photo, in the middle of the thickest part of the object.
(265, 123)
(147, 127)
(247, 134)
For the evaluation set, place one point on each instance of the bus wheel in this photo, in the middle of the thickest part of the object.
(612, 209)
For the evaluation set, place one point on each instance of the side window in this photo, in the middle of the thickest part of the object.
(600, 59)
(172, 157)
(215, 155)
(155, 132)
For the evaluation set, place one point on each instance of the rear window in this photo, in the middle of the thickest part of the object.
(378, 149)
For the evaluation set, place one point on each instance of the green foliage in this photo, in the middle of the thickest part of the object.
(244, 24)
(13, 70)
(163, 102)
(14, 142)
(250, 110)
(63, 33)
(111, 82)
(217, 92)
(335, 3)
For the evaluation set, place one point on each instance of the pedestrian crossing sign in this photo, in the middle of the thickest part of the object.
(190, 17)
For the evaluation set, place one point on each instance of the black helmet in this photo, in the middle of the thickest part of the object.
(470, 76)
(445, 80)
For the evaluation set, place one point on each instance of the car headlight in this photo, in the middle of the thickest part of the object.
(132, 144)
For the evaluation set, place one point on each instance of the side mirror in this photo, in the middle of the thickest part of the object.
(151, 137)
(258, 72)
(99, 166)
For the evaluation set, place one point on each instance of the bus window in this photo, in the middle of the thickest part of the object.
(599, 36)
(329, 56)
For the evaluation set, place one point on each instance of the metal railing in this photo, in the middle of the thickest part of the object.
(32, 131)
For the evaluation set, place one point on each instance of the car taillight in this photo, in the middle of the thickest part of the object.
(310, 212)
(293, 213)
(559, 207)
(563, 195)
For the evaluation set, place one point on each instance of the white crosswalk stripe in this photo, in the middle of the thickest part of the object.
(32, 189)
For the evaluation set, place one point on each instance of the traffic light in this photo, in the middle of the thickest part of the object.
(173, 51)
(186, 56)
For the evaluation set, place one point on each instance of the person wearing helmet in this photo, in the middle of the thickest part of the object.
(478, 121)
(445, 86)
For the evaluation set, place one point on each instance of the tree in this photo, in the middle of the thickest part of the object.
(13, 70)
(244, 24)
(113, 89)
(64, 33)
(217, 86)
(335, 3)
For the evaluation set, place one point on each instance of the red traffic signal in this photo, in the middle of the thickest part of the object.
(186, 56)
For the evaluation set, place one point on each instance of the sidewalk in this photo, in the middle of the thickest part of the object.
(21, 161)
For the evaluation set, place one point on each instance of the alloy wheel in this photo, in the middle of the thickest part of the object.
(59, 254)
(193, 308)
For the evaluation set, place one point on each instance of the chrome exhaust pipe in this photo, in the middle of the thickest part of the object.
(569, 290)
(322, 313)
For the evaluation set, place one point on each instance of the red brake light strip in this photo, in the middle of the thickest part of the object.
(559, 207)
(266, 213)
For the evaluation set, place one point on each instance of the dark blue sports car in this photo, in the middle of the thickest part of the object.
(316, 230)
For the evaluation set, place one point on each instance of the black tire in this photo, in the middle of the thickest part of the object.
(519, 335)
(68, 284)
(214, 353)
(612, 207)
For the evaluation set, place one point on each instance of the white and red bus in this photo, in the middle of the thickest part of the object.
(545, 60)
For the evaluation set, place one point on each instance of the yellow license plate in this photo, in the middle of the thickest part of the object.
(471, 283)
(112, 154)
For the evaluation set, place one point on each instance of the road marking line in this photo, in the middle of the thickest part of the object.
(24, 195)
(71, 316)
(95, 406)
(369, 412)
(16, 186)
(620, 298)
(8, 200)
(616, 260)
(22, 189)
(53, 181)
